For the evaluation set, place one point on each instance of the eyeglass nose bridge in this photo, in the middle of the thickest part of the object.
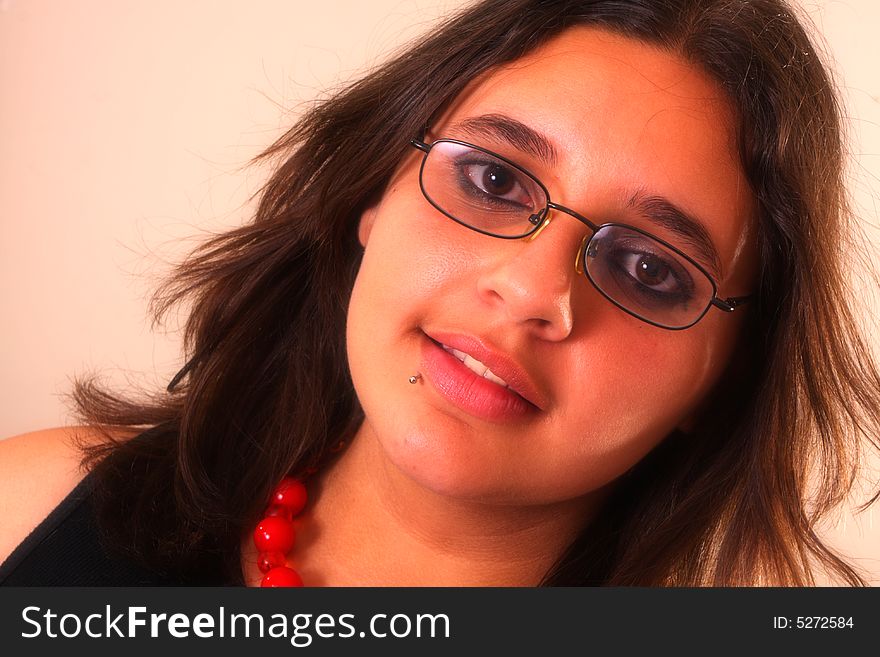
(542, 220)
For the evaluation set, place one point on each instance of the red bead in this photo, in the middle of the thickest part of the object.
(281, 576)
(290, 493)
(269, 560)
(274, 535)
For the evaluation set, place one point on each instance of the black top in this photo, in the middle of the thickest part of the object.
(66, 549)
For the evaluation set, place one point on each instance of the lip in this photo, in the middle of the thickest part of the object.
(477, 394)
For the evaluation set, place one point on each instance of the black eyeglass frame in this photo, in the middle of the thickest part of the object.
(537, 221)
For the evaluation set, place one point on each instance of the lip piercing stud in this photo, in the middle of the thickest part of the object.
(414, 379)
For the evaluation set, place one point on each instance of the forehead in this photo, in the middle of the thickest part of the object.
(625, 118)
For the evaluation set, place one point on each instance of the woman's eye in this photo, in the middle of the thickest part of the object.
(655, 275)
(650, 270)
(497, 181)
(492, 178)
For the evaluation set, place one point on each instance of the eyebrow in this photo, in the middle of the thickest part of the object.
(518, 134)
(666, 214)
(657, 209)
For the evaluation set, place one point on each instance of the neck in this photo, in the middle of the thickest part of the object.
(368, 524)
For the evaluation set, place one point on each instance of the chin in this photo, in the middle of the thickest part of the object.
(437, 453)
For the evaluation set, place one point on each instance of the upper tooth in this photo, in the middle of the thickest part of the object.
(492, 377)
(475, 366)
(478, 368)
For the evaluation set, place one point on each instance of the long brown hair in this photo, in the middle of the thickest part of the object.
(266, 390)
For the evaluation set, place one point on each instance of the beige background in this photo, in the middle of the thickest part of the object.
(124, 131)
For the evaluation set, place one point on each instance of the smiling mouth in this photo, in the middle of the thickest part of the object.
(474, 365)
(470, 384)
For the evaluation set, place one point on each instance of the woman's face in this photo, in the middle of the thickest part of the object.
(591, 388)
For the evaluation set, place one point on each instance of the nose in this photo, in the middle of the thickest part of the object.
(531, 281)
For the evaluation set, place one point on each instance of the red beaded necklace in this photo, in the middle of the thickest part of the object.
(275, 535)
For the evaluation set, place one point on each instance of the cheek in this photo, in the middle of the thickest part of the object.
(411, 269)
(632, 389)
(663, 382)
(414, 260)
(667, 376)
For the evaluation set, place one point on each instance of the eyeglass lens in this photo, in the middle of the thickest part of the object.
(635, 271)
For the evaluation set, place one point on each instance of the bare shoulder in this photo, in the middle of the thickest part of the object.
(37, 471)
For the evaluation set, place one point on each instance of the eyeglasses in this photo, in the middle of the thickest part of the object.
(641, 274)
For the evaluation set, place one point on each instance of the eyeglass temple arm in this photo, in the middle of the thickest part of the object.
(418, 143)
(728, 305)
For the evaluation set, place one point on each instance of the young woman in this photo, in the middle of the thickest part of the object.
(555, 297)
